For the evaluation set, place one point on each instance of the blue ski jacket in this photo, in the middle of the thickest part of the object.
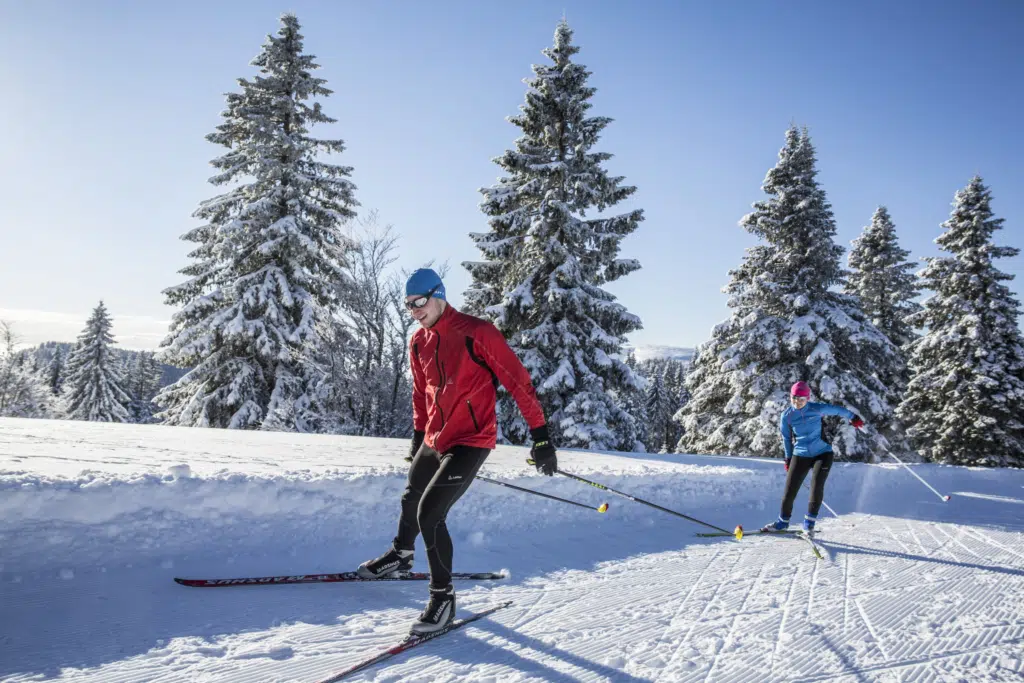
(804, 428)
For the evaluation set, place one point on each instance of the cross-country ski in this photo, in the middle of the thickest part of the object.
(331, 578)
(412, 641)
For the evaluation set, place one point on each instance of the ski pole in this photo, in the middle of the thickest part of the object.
(603, 507)
(738, 533)
(827, 506)
(944, 498)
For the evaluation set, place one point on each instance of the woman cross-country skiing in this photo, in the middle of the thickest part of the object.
(801, 437)
(457, 361)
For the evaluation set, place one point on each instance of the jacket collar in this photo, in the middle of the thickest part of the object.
(445, 320)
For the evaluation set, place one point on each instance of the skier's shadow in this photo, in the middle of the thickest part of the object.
(531, 666)
(861, 550)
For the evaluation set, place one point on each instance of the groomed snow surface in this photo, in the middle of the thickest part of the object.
(96, 520)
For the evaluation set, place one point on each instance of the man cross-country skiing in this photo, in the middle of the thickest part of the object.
(457, 361)
(801, 423)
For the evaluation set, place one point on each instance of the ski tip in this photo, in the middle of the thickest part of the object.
(603, 507)
(738, 532)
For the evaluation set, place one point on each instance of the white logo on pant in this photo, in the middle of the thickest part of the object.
(454, 477)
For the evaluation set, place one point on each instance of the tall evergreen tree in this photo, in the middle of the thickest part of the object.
(965, 401)
(93, 385)
(882, 277)
(787, 324)
(143, 383)
(634, 401)
(270, 256)
(55, 372)
(659, 413)
(546, 262)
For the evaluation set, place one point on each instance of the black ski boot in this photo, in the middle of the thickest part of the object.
(439, 613)
(389, 563)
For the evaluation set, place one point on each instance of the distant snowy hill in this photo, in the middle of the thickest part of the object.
(651, 351)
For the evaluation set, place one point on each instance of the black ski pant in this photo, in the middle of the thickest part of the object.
(436, 481)
(798, 469)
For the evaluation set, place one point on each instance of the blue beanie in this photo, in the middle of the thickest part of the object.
(422, 281)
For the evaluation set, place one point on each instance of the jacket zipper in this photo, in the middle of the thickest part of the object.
(440, 369)
(473, 415)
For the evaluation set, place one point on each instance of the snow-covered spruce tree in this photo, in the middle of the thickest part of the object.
(659, 412)
(93, 382)
(270, 256)
(634, 401)
(545, 261)
(142, 384)
(55, 372)
(965, 401)
(22, 393)
(788, 324)
(674, 380)
(882, 277)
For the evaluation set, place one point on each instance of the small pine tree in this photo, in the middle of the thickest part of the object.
(965, 401)
(55, 372)
(882, 277)
(93, 385)
(270, 257)
(22, 392)
(546, 263)
(788, 324)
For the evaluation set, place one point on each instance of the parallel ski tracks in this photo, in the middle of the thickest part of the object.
(913, 600)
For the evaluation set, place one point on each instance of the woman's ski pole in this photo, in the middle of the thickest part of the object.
(738, 533)
(944, 498)
(603, 507)
(827, 506)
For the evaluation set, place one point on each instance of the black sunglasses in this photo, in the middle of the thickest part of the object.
(420, 302)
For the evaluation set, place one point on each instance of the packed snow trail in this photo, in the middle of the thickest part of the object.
(912, 589)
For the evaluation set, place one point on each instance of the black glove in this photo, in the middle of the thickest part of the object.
(543, 453)
(417, 441)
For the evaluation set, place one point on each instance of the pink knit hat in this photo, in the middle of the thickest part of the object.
(800, 389)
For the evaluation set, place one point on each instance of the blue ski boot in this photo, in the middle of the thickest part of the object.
(808, 527)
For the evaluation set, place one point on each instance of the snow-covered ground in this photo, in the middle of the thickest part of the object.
(95, 521)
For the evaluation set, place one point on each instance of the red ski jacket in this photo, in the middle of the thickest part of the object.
(456, 367)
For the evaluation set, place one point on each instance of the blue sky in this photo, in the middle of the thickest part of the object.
(106, 104)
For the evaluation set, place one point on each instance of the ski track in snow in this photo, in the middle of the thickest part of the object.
(911, 590)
